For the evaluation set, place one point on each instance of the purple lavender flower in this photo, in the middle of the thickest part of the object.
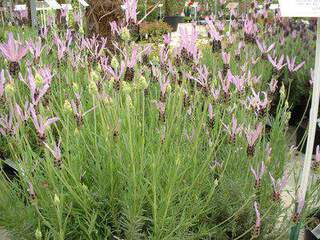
(273, 85)
(226, 58)
(257, 104)
(164, 84)
(211, 116)
(252, 138)
(41, 124)
(250, 29)
(263, 48)
(56, 152)
(78, 110)
(23, 114)
(257, 227)
(316, 163)
(239, 83)
(37, 89)
(131, 11)
(258, 174)
(36, 49)
(291, 64)
(167, 39)
(13, 51)
(298, 209)
(233, 130)
(62, 46)
(188, 45)
(278, 65)
(162, 109)
(202, 79)
(225, 83)
(278, 186)
(31, 191)
(7, 127)
(215, 92)
(130, 62)
(212, 30)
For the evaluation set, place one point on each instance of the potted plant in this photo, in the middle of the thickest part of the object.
(314, 221)
(173, 16)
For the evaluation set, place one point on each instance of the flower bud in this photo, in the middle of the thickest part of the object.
(95, 76)
(56, 200)
(114, 62)
(93, 88)
(75, 87)
(126, 88)
(125, 34)
(142, 83)
(283, 92)
(38, 234)
(39, 80)
(67, 106)
(9, 89)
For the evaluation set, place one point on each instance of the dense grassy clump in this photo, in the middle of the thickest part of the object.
(143, 143)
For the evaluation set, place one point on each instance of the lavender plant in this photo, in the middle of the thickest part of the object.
(146, 142)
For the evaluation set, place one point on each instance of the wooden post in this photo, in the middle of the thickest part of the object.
(33, 13)
(312, 120)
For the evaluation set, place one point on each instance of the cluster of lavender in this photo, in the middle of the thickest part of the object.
(174, 66)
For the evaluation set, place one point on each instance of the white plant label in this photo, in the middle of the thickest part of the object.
(83, 3)
(316, 231)
(53, 4)
(300, 8)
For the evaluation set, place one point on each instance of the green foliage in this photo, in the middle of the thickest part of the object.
(153, 31)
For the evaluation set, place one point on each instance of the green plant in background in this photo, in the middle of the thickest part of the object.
(154, 31)
(147, 141)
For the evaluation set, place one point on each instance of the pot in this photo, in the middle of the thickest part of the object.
(301, 131)
(308, 235)
(173, 21)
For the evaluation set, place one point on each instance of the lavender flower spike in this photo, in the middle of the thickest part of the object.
(252, 138)
(13, 51)
(211, 116)
(131, 11)
(234, 130)
(298, 210)
(262, 47)
(24, 114)
(258, 174)
(278, 65)
(316, 163)
(40, 124)
(56, 152)
(258, 221)
(291, 64)
(278, 186)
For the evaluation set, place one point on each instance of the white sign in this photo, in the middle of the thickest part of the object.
(300, 8)
(67, 6)
(83, 3)
(53, 4)
(21, 7)
(274, 6)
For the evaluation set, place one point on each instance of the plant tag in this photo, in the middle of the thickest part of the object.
(53, 4)
(83, 3)
(316, 231)
(300, 8)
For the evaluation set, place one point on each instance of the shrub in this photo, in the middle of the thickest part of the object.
(154, 31)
